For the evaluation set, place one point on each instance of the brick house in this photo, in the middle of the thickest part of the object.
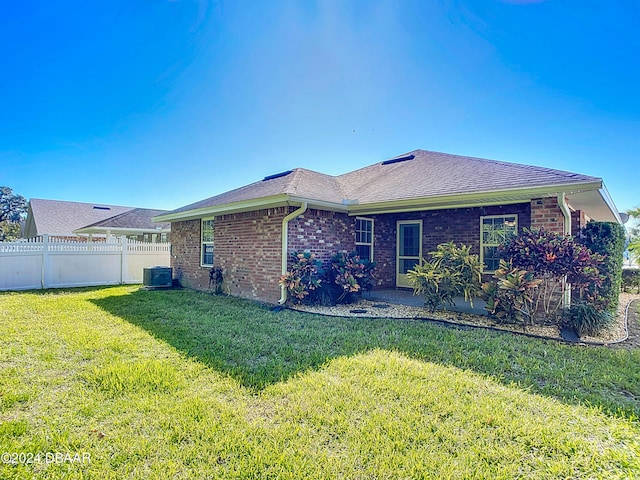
(393, 212)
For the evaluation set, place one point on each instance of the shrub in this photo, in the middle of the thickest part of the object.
(352, 273)
(216, 280)
(438, 285)
(452, 272)
(608, 240)
(631, 278)
(511, 298)
(325, 295)
(550, 257)
(588, 319)
(303, 276)
(634, 248)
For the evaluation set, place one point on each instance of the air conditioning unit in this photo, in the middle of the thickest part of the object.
(157, 277)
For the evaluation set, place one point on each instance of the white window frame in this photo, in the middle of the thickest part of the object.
(203, 242)
(369, 244)
(483, 244)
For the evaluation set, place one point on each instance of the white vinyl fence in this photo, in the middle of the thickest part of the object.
(47, 262)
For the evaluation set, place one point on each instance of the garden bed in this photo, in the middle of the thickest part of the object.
(376, 309)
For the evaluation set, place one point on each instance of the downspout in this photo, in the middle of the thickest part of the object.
(566, 294)
(285, 244)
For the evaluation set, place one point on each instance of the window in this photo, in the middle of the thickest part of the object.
(493, 231)
(206, 258)
(364, 238)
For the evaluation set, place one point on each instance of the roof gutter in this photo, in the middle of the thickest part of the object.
(562, 203)
(609, 201)
(285, 244)
(122, 230)
(273, 201)
(470, 199)
(233, 207)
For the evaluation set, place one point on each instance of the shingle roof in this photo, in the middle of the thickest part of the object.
(416, 174)
(431, 174)
(138, 218)
(56, 217)
(299, 182)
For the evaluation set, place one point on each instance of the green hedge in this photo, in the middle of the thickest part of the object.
(607, 239)
(631, 279)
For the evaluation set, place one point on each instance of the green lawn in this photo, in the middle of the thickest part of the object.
(177, 384)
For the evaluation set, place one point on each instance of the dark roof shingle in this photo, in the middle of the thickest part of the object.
(139, 218)
(421, 174)
(56, 217)
(431, 174)
(299, 182)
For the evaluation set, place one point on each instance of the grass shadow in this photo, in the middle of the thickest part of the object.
(259, 347)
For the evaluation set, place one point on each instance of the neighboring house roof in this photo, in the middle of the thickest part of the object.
(133, 220)
(61, 218)
(416, 180)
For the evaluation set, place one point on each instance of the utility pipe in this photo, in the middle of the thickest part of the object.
(285, 244)
(566, 294)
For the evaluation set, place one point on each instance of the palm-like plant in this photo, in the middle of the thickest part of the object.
(452, 271)
(512, 297)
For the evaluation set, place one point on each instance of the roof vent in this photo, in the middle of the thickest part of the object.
(95, 207)
(398, 160)
(277, 175)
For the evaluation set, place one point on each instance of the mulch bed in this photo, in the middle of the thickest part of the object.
(615, 336)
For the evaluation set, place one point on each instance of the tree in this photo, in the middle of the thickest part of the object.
(13, 209)
(9, 231)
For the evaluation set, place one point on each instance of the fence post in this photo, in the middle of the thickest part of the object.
(123, 259)
(45, 260)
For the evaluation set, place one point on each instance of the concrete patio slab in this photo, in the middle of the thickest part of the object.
(403, 296)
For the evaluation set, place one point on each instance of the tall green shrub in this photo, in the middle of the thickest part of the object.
(607, 239)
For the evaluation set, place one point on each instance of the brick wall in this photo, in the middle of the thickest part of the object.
(185, 255)
(323, 233)
(546, 213)
(462, 225)
(578, 221)
(246, 247)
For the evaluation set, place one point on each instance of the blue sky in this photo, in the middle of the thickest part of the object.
(162, 103)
